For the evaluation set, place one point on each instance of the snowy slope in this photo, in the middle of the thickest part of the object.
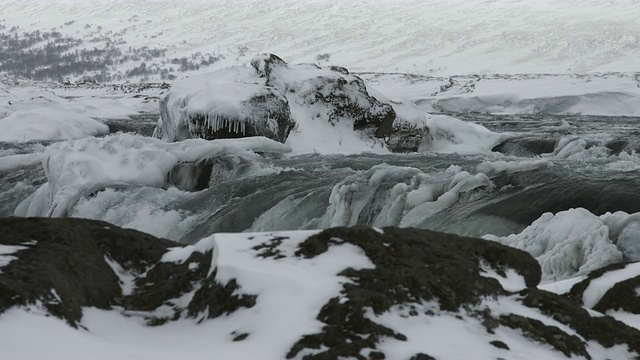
(424, 37)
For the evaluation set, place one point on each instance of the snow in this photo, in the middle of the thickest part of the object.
(48, 124)
(450, 135)
(81, 167)
(563, 286)
(386, 36)
(600, 285)
(126, 279)
(569, 243)
(5, 254)
(510, 281)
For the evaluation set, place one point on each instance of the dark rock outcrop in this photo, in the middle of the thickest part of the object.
(412, 266)
(66, 266)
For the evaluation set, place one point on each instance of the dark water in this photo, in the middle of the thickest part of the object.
(599, 173)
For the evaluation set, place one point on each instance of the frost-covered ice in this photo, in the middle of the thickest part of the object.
(490, 167)
(48, 124)
(414, 197)
(81, 167)
(569, 243)
(450, 135)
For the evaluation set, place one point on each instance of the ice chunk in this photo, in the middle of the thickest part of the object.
(450, 135)
(81, 167)
(48, 124)
(569, 243)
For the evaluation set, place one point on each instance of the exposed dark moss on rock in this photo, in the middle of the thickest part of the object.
(534, 329)
(270, 248)
(604, 329)
(422, 356)
(217, 299)
(66, 268)
(411, 266)
(499, 344)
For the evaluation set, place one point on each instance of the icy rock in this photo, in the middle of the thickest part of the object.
(81, 167)
(268, 99)
(338, 94)
(230, 103)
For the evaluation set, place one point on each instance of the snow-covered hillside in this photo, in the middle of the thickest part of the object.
(433, 37)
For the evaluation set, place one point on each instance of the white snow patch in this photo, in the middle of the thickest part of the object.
(563, 286)
(6, 252)
(510, 281)
(126, 279)
(48, 124)
(450, 135)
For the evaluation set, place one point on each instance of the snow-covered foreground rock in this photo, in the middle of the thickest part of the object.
(86, 289)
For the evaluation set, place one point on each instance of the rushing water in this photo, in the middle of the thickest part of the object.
(553, 163)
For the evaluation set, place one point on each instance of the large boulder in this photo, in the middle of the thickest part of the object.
(230, 103)
(268, 99)
(332, 91)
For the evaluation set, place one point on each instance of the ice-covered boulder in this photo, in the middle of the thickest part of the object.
(330, 108)
(360, 292)
(332, 92)
(230, 103)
